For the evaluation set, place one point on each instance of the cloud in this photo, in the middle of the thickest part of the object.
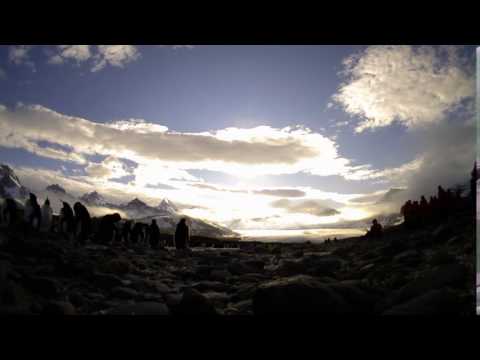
(3, 74)
(109, 168)
(242, 152)
(281, 192)
(312, 207)
(78, 53)
(20, 55)
(414, 86)
(177, 47)
(114, 55)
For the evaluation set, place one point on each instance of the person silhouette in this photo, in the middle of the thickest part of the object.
(126, 230)
(136, 233)
(182, 234)
(154, 234)
(67, 220)
(107, 228)
(83, 223)
(33, 213)
(47, 216)
(376, 230)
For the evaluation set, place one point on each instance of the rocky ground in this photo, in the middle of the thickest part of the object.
(426, 271)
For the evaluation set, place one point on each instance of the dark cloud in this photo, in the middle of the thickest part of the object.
(312, 207)
(281, 192)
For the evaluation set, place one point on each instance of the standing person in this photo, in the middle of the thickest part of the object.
(33, 213)
(135, 233)
(126, 229)
(107, 229)
(67, 220)
(47, 216)
(154, 234)
(83, 223)
(182, 235)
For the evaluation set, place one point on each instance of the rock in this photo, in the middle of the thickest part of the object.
(5, 267)
(322, 265)
(124, 293)
(451, 275)
(443, 301)
(395, 247)
(243, 292)
(140, 308)
(360, 300)
(220, 275)
(409, 257)
(59, 308)
(297, 294)
(194, 303)
(44, 286)
(106, 281)
(144, 285)
(367, 267)
(14, 310)
(240, 308)
(442, 257)
(442, 233)
(12, 294)
(290, 268)
(203, 286)
(216, 298)
(95, 296)
(77, 299)
(297, 254)
(117, 266)
(240, 268)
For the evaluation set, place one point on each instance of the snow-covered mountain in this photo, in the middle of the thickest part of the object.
(93, 198)
(167, 206)
(10, 185)
(166, 213)
(168, 223)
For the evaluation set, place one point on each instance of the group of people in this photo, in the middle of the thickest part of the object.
(437, 209)
(77, 225)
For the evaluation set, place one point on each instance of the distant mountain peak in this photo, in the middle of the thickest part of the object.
(93, 198)
(10, 185)
(135, 204)
(167, 205)
(56, 188)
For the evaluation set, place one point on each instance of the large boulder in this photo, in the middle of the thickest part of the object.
(47, 287)
(117, 266)
(443, 301)
(246, 267)
(59, 308)
(140, 308)
(298, 294)
(106, 281)
(121, 292)
(451, 275)
(194, 303)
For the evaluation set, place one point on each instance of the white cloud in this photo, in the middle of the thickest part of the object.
(414, 86)
(3, 74)
(177, 47)
(115, 55)
(78, 53)
(20, 55)
(110, 168)
(242, 152)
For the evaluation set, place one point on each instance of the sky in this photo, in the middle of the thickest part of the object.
(251, 137)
